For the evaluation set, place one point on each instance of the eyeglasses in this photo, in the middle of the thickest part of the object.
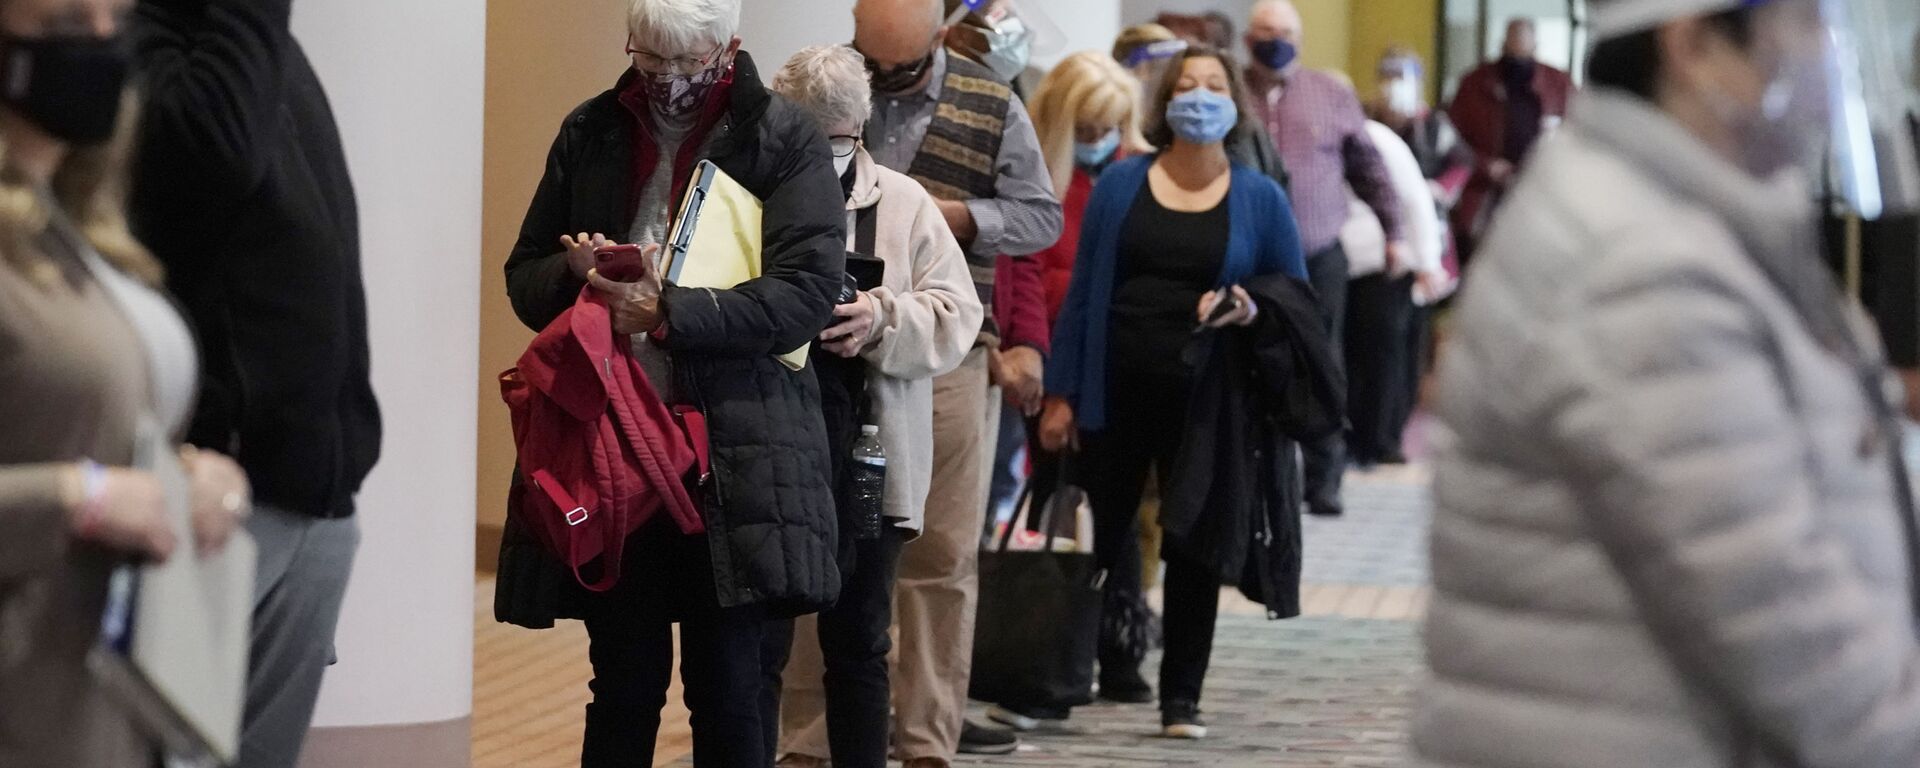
(843, 145)
(649, 61)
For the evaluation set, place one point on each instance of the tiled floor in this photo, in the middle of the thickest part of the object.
(1326, 690)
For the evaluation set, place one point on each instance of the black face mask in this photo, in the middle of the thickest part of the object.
(899, 78)
(1516, 69)
(68, 85)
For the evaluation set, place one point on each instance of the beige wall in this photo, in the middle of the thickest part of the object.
(1329, 27)
(543, 59)
(1378, 24)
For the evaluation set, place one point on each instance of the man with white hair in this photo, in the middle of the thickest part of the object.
(764, 547)
(917, 322)
(1320, 129)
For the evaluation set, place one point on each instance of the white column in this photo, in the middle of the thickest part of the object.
(405, 79)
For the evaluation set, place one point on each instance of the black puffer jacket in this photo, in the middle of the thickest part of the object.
(769, 508)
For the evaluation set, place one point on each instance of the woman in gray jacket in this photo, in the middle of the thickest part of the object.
(1672, 527)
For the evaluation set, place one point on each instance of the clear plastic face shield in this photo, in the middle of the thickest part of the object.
(1869, 158)
(1012, 33)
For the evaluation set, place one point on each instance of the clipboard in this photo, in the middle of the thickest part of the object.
(716, 241)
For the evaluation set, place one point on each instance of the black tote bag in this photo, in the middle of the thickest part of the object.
(1038, 625)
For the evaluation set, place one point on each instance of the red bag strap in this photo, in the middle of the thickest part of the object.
(576, 516)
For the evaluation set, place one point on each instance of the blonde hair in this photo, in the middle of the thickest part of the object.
(90, 187)
(1085, 86)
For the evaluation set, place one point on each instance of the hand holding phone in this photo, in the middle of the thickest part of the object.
(1229, 306)
(622, 263)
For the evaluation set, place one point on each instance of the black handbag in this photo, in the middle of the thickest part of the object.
(1038, 626)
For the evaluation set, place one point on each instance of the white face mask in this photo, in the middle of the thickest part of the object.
(841, 164)
(1403, 96)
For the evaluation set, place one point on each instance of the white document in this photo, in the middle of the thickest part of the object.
(181, 663)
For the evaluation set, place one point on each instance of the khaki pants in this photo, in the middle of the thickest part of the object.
(935, 595)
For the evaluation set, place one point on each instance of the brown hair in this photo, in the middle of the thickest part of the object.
(90, 186)
(1159, 134)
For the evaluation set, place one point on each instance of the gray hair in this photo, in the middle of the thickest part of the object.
(684, 25)
(830, 83)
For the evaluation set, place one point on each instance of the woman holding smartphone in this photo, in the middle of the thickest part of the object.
(1179, 230)
(98, 369)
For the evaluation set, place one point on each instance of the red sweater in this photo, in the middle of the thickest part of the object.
(1056, 262)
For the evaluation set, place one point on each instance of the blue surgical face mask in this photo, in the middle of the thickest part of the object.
(1098, 153)
(1201, 116)
(1009, 47)
(1274, 54)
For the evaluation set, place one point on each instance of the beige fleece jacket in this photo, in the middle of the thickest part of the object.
(926, 315)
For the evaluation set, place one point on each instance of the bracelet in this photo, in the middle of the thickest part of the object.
(93, 497)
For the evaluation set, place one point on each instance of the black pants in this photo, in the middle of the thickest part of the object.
(1378, 357)
(854, 644)
(632, 658)
(1145, 417)
(1419, 361)
(1326, 459)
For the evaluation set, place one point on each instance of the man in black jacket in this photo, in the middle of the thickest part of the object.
(242, 190)
(616, 174)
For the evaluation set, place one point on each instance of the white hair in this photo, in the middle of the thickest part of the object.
(828, 82)
(684, 25)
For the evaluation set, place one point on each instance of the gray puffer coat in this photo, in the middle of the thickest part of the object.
(1668, 529)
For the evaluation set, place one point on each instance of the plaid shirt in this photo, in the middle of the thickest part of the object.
(1320, 130)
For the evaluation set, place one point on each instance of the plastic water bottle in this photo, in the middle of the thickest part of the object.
(869, 484)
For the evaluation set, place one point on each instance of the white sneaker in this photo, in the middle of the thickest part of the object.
(1012, 719)
(1184, 731)
(1181, 720)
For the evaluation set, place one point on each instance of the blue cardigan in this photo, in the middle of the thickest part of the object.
(1264, 240)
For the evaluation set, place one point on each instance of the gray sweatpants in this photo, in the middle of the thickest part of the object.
(302, 578)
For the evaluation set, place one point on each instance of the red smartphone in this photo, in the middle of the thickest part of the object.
(622, 263)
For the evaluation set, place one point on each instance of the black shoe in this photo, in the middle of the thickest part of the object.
(981, 740)
(1181, 720)
(1325, 510)
(1126, 687)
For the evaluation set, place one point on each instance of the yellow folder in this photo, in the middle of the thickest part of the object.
(716, 241)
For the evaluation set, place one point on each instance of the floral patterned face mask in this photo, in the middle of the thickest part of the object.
(675, 95)
(679, 87)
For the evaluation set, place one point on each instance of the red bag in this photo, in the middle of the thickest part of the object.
(600, 452)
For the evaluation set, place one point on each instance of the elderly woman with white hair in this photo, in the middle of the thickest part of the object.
(917, 322)
(615, 175)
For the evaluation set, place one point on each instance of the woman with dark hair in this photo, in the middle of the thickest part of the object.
(1177, 232)
(1672, 522)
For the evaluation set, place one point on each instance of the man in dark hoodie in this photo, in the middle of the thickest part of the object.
(241, 189)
